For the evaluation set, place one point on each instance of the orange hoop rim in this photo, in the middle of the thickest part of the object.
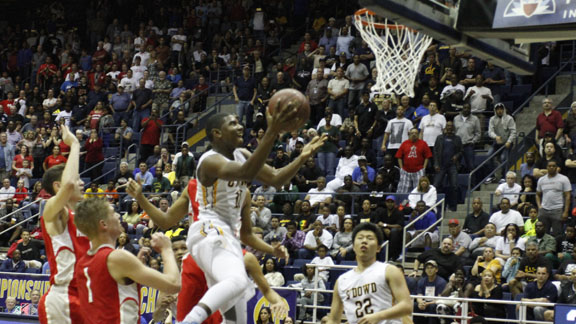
(365, 11)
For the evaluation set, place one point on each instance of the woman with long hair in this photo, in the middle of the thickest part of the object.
(265, 316)
(270, 270)
(18, 160)
(509, 239)
(123, 243)
(488, 289)
(486, 261)
(424, 191)
(342, 244)
(527, 198)
(255, 141)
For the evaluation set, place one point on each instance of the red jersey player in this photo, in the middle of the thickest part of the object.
(64, 243)
(108, 279)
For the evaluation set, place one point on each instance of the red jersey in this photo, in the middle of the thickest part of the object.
(62, 251)
(52, 161)
(193, 288)
(193, 208)
(103, 299)
(413, 155)
(151, 133)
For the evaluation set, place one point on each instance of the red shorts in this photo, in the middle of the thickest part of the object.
(60, 305)
(194, 286)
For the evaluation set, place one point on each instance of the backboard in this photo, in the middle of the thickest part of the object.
(469, 26)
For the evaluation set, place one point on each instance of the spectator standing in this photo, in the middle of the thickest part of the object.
(142, 103)
(468, 129)
(328, 151)
(549, 120)
(338, 91)
(317, 94)
(120, 105)
(6, 156)
(413, 156)
(553, 198)
(54, 159)
(431, 125)
(151, 129)
(94, 154)
(447, 155)
(479, 95)
(245, 91)
(184, 164)
(396, 132)
(356, 73)
(502, 130)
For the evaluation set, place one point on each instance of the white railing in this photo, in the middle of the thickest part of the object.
(464, 302)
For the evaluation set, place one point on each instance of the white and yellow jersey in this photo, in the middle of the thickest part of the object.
(365, 293)
(222, 201)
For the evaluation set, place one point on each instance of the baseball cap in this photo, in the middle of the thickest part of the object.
(362, 158)
(120, 86)
(453, 221)
(432, 262)
(391, 197)
(184, 143)
(259, 114)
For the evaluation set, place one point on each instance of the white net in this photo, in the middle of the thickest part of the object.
(398, 51)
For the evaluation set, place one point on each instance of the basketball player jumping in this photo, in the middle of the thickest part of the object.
(373, 292)
(64, 243)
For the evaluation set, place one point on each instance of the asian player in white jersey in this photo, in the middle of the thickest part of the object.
(223, 174)
(373, 292)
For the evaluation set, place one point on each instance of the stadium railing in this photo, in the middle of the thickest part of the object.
(520, 317)
(439, 220)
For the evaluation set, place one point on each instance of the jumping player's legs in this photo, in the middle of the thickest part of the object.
(223, 265)
(59, 306)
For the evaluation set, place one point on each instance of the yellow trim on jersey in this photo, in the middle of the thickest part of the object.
(204, 198)
(215, 188)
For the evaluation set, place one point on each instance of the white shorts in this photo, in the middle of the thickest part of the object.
(420, 241)
(209, 240)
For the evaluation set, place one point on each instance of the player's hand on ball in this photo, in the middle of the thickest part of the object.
(160, 242)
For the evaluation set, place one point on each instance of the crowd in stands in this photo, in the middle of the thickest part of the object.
(387, 158)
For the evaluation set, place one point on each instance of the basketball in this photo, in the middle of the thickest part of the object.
(284, 97)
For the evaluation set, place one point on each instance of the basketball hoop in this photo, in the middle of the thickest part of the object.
(398, 52)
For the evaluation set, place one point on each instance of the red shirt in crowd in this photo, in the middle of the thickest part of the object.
(151, 132)
(94, 151)
(413, 155)
(549, 123)
(51, 161)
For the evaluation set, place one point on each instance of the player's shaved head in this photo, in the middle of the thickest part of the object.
(215, 122)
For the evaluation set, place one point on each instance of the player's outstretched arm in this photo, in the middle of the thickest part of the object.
(336, 309)
(247, 236)
(400, 292)
(279, 177)
(123, 264)
(217, 167)
(165, 220)
(69, 179)
(277, 305)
